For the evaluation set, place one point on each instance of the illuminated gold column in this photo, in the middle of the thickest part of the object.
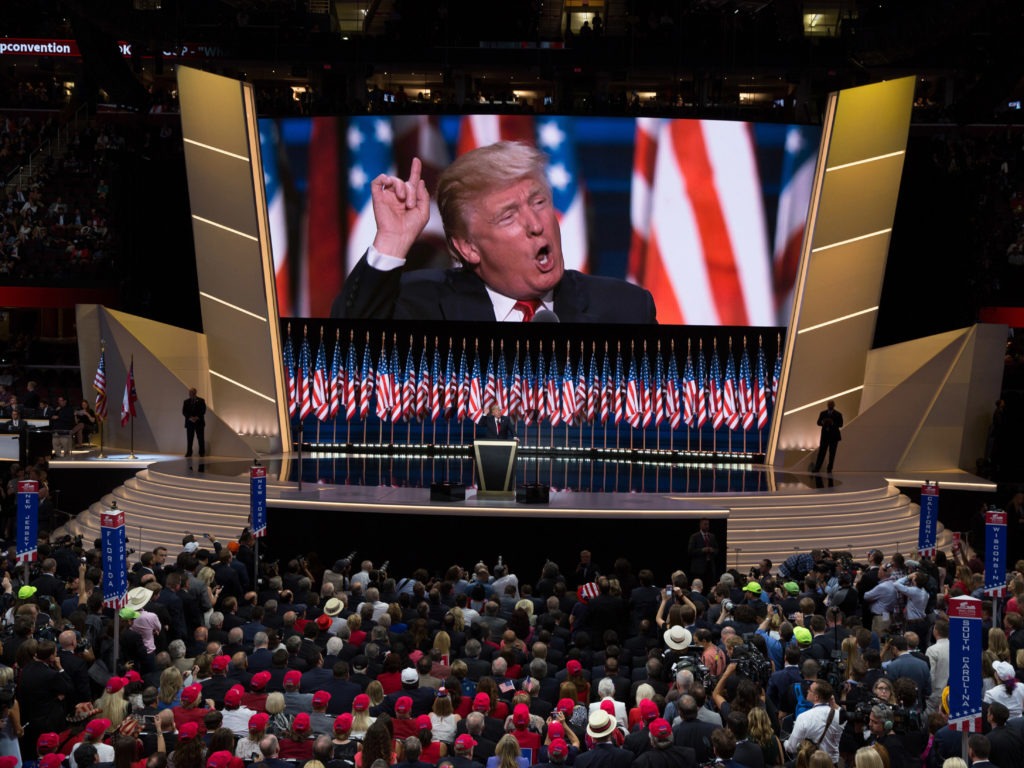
(853, 204)
(233, 259)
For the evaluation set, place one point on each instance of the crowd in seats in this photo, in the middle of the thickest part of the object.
(817, 661)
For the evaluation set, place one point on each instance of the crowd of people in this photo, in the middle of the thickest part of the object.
(217, 660)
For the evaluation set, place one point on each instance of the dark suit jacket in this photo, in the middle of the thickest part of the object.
(831, 426)
(604, 755)
(197, 408)
(458, 294)
(505, 429)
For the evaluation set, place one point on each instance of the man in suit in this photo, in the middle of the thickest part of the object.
(604, 754)
(831, 422)
(194, 411)
(979, 750)
(41, 692)
(16, 424)
(1006, 745)
(500, 222)
(495, 426)
(703, 549)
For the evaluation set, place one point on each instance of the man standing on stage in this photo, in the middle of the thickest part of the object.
(194, 411)
(703, 549)
(494, 426)
(831, 422)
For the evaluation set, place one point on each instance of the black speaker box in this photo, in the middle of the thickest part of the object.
(447, 492)
(533, 493)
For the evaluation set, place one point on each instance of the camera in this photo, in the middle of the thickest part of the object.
(728, 606)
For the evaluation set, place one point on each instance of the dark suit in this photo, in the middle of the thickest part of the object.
(503, 429)
(39, 694)
(604, 755)
(702, 564)
(831, 423)
(458, 294)
(195, 430)
(1007, 748)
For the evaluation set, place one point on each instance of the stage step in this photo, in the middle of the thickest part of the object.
(165, 501)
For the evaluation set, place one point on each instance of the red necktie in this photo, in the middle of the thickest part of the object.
(528, 308)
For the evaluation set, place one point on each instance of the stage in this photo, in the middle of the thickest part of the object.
(756, 511)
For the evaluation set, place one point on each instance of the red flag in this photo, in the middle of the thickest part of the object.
(130, 397)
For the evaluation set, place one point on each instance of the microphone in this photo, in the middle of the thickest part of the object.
(545, 316)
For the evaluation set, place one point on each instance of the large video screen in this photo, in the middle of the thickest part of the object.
(706, 217)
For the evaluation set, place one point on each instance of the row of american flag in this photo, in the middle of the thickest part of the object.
(128, 400)
(645, 387)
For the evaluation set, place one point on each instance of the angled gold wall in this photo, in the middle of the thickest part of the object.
(232, 240)
(853, 204)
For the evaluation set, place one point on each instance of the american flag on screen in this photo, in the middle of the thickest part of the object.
(404, 396)
(689, 393)
(501, 383)
(451, 385)
(540, 399)
(276, 217)
(702, 413)
(420, 136)
(553, 135)
(646, 391)
(659, 389)
(321, 273)
(529, 400)
(369, 140)
(797, 182)
(703, 249)
(594, 390)
(607, 388)
(618, 401)
(673, 392)
(776, 374)
(716, 392)
(490, 384)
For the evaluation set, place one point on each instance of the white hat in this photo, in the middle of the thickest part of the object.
(601, 724)
(1004, 670)
(678, 638)
(409, 676)
(333, 607)
(138, 597)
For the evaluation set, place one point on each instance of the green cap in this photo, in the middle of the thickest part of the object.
(27, 591)
(792, 587)
(802, 635)
(128, 613)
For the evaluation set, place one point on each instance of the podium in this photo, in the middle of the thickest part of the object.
(494, 467)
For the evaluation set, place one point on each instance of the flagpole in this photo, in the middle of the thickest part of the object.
(131, 407)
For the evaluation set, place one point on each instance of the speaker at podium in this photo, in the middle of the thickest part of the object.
(494, 467)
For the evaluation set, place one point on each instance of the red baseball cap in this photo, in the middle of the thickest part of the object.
(648, 710)
(52, 760)
(465, 741)
(300, 724)
(220, 759)
(482, 703)
(403, 704)
(221, 663)
(323, 622)
(361, 703)
(521, 715)
(292, 677)
(259, 680)
(556, 730)
(558, 748)
(8, 761)
(132, 676)
(343, 723)
(234, 696)
(565, 706)
(47, 742)
(115, 684)
(572, 666)
(191, 694)
(188, 731)
(423, 723)
(660, 728)
(259, 721)
(321, 698)
(96, 728)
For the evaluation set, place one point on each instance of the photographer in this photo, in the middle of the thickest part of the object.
(822, 724)
(880, 725)
(41, 693)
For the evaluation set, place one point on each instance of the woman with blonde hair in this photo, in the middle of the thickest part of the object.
(279, 723)
(644, 691)
(954, 762)
(376, 693)
(169, 693)
(507, 754)
(761, 733)
(998, 644)
(867, 757)
(356, 634)
(112, 703)
(361, 719)
(458, 619)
